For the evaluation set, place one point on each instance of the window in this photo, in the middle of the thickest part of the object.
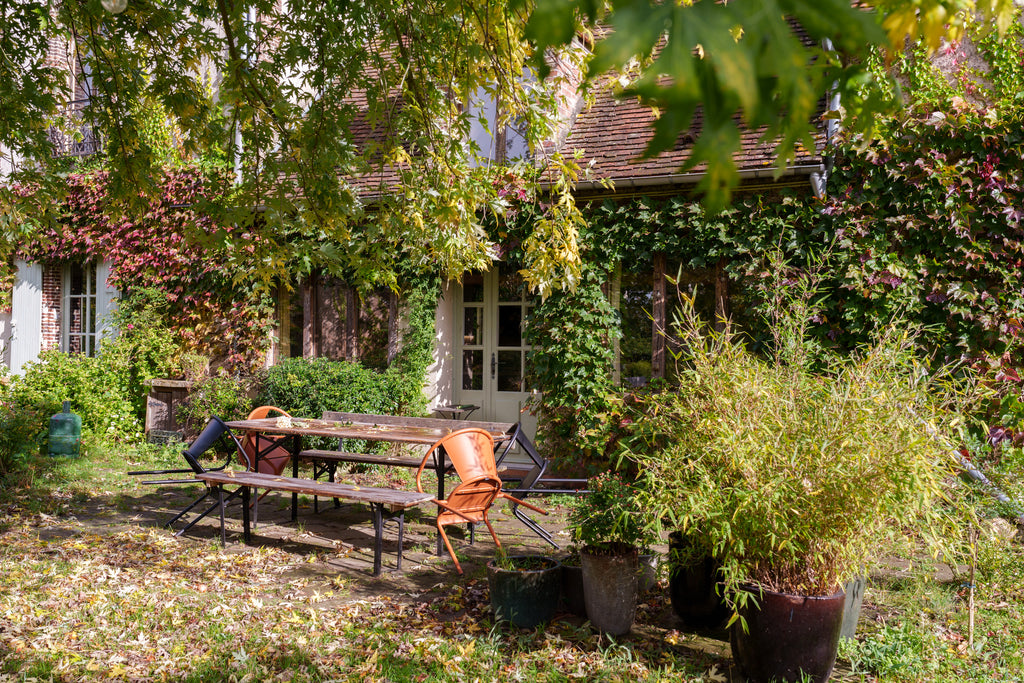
(500, 143)
(648, 300)
(79, 323)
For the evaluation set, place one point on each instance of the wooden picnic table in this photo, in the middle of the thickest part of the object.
(424, 431)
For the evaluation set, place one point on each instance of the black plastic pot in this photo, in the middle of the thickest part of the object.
(692, 589)
(788, 637)
(572, 588)
(525, 597)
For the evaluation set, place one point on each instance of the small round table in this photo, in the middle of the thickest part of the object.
(455, 411)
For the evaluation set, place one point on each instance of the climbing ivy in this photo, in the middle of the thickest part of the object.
(216, 309)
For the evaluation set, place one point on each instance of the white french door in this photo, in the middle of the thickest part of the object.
(491, 309)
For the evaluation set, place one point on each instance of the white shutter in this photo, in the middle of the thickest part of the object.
(106, 302)
(26, 315)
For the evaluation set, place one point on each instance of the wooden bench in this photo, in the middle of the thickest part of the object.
(381, 501)
(326, 462)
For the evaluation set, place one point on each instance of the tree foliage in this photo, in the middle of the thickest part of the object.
(760, 65)
(301, 101)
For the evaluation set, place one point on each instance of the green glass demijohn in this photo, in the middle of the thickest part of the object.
(65, 433)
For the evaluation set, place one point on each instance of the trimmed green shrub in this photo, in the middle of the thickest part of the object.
(308, 386)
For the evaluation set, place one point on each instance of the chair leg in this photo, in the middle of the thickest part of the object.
(491, 529)
(205, 512)
(533, 526)
(447, 544)
(197, 501)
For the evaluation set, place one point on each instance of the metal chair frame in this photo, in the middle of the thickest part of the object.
(533, 482)
(215, 429)
(471, 452)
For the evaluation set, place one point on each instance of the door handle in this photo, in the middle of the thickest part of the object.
(494, 366)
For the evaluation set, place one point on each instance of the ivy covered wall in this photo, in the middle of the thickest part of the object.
(213, 307)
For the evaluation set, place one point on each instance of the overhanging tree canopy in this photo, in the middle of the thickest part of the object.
(301, 99)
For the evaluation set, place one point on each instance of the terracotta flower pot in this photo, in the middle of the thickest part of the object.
(788, 637)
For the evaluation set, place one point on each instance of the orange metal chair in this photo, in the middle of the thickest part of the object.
(471, 453)
(273, 455)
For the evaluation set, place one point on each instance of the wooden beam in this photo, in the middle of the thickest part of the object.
(394, 338)
(351, 324)
(721, 295)
(309, 319)
(658, 324)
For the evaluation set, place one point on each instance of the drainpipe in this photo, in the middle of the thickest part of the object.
(250, 19)
(819, 180)
(987, 484)
(974, 472)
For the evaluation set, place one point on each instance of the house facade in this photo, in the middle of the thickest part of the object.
(481, 356)
(62, 306)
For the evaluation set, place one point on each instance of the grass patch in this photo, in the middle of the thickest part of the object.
(87, 594)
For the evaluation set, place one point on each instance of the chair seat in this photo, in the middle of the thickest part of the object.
(445, 518)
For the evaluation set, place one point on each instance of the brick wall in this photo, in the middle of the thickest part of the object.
(50, 332)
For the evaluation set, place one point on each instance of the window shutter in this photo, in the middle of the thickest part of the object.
(106, 301)
(26, 314)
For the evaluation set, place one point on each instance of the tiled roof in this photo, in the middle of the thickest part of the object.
(613, 133)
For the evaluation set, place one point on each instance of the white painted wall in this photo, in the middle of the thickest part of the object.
(441, 374)
(5, 340)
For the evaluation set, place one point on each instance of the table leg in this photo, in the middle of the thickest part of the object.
(439, 467)
(246, 535)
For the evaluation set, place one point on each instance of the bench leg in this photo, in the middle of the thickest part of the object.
(401, 536)
(246, 534)
(378, 536)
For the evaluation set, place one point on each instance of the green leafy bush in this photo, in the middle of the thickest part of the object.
(611, 513)
(106, 391)
(224, 396)
(572, 335)
(306, 387)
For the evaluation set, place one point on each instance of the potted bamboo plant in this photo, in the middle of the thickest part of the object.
(791, 467)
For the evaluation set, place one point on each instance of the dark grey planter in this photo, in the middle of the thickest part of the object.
(610, 588)
(525, 597)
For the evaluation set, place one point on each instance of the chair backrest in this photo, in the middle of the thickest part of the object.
(273, 456)
(212, 433)
(471, 452)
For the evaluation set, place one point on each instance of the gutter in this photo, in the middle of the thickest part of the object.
(694, 177)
